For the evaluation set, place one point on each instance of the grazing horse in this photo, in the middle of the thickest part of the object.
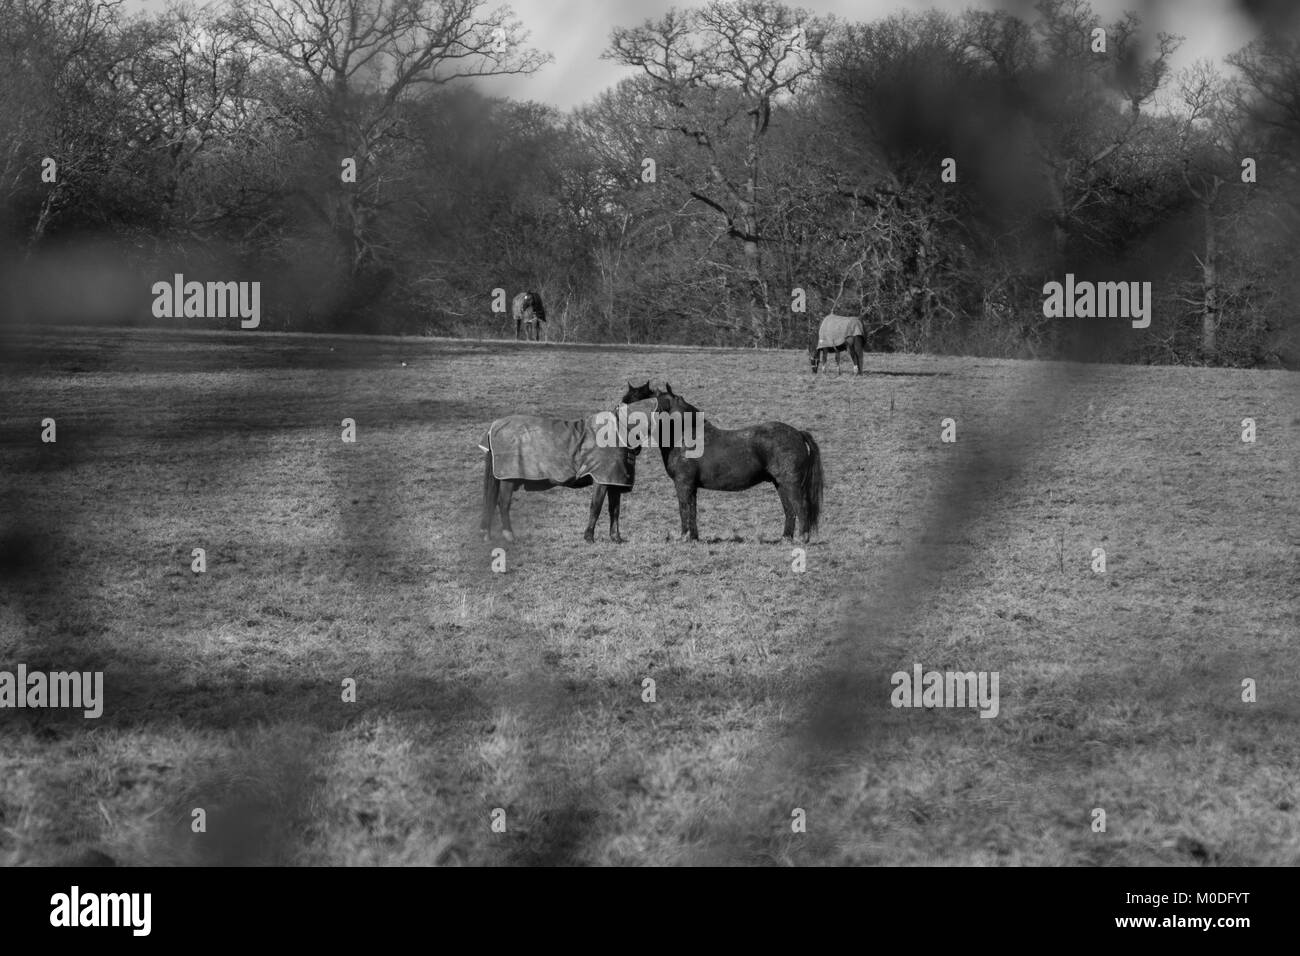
(528, 310)
(836, 334)
(568, 452)
(737, 459)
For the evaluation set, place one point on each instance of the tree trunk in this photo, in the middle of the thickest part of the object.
(759, 318)
(1210, 280)
(43, 218)
(1056, 212)
(921, 297)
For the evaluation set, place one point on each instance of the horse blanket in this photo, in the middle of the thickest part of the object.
(837, 329)
(533, 448)
(528, 306)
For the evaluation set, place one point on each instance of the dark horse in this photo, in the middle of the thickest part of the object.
(838, 333)
(737, 459)
(528, 311)
(498, 492)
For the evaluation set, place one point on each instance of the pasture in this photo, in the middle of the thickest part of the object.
(522, 689)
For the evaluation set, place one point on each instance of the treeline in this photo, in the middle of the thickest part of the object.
(761, 166)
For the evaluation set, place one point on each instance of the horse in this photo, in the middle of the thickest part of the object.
(528, 310)
(738, 459)
(838, 333)
(498, 492)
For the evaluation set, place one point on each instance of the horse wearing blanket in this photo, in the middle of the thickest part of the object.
(536, 453)
(528, 310)
(836, 334)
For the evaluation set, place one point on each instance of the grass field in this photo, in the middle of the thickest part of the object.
(522, 690)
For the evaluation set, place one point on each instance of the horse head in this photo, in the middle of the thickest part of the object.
(636, 393)
(668, 401)
(535, 302)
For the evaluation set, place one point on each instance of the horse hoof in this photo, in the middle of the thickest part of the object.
(589, 538)
(616, 538)
(508, 535)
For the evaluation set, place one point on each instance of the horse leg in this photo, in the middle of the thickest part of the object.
(491, 488)
(507, 492)
(856, 353)
(597, 502)
(615, 502)
(685, 508)
(791, 508)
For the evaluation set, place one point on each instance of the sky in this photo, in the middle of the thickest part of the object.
(575, 32)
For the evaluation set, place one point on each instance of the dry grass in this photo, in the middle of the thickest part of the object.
(522, 690)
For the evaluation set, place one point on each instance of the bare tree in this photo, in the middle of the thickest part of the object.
(190, 88)
(708, 68)
(1211, 138)
(1075, 136)
(1269, 98)
(59, 62)
(363, 60)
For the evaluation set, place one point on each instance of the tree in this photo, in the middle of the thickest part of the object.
(189, 86)
(1269, 98)
(708, 68)
(364, 61)
(1210, 143)
(61, 98)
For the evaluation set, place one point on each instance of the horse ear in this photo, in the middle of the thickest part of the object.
(668, 389)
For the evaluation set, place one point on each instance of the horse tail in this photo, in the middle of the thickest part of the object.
(810, 482)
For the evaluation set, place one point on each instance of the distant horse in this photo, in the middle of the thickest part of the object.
(528, 310)
(837, 334)
(564, 450)
(737, 459)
